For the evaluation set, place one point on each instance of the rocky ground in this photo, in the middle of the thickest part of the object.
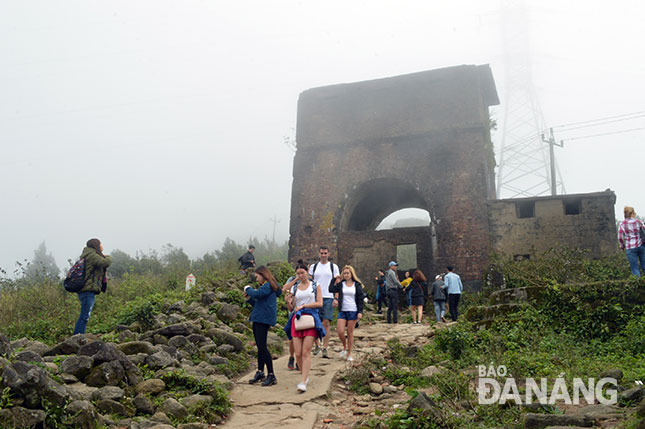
(330, 404)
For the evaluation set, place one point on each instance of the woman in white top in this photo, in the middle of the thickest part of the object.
(303, 298)
(350, 308)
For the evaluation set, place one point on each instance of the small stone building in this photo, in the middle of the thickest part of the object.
(521, 227)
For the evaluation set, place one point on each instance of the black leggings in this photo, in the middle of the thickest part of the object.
(260, 332)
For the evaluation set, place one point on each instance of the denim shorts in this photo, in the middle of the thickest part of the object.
(327, 309)
(348, 315)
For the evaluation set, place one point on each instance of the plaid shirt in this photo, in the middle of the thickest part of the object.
(629, 233)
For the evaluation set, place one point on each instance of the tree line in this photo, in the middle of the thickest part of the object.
(170, 259)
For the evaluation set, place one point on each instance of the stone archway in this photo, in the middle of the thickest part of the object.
(369, 148)
(368, 250)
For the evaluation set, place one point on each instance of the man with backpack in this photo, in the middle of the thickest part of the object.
(324, 272)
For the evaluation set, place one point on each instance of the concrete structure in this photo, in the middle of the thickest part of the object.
(368, 149)
(522, 227)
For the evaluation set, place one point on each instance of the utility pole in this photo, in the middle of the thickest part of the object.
(551, 141)
(275, 221)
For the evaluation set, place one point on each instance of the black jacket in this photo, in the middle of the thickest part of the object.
(338, 288)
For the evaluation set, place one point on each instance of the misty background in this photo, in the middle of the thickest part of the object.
(153, 122)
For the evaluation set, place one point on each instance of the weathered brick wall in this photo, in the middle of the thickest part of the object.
(368, 149)
(593, 229)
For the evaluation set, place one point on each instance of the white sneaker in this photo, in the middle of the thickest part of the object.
(350, 358)
(343, 353)
(302, 387)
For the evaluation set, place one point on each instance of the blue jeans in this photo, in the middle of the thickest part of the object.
(87, 303)
(439, 309)
(634, 256)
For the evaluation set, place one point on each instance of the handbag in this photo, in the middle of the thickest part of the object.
(306, 321)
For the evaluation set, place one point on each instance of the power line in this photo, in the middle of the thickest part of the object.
(606, 134)
(601, 123)
(600, 119)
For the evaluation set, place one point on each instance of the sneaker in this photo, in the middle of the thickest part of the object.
(270, 380)
(350, 358)
(325, 354)
(316, 350)
(443, 319)
(290, 365)
(258, 376)
(302, 387)
(343, 353)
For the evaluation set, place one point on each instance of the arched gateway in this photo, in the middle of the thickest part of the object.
(368, 149)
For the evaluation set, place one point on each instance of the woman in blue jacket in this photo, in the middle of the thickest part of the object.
(263, 316)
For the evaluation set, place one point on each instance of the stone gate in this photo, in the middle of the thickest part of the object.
(368, 149)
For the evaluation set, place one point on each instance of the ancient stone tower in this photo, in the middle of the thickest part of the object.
(368, 149)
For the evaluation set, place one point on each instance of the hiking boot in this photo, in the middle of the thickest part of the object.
(316, 350)
(270, 380)
(325, 354)
(258, 376)
(290, 365)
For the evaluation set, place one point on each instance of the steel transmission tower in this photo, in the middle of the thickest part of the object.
(524, 168)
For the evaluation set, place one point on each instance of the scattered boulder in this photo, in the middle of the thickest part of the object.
(631, 396)
(108, 392)
(78, 366)
(208, 298)
(29, 356)
(196, 400)
(376, 388)
(161, 360)
(227, 312)
(177, 329)
(109, 406)
(100, 352)
(6, 349)
(172, 408)
(152, 386)
(613, 373)
(540, 421)
(143, 405)
(225, 348)
(32, 383)
(20, 417)
(68, 347)
(135, 347)
(222, 337)
(430, 371)
(106, 374)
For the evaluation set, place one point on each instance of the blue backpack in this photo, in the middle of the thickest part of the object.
(75, 279)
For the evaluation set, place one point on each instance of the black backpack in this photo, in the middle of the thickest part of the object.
(75, 279)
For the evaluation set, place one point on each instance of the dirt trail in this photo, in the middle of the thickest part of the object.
(324, 404)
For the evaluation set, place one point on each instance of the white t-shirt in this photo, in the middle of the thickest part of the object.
(306, 296)
(349, 298)
(323, 276)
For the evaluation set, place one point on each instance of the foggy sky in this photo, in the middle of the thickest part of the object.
(146, 122)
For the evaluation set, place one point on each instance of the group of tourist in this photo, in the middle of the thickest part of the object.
(311, 296)
(445, 289)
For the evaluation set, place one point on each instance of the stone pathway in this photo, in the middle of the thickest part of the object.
(282, 405)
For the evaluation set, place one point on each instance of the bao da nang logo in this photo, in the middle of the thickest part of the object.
(490, 390)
